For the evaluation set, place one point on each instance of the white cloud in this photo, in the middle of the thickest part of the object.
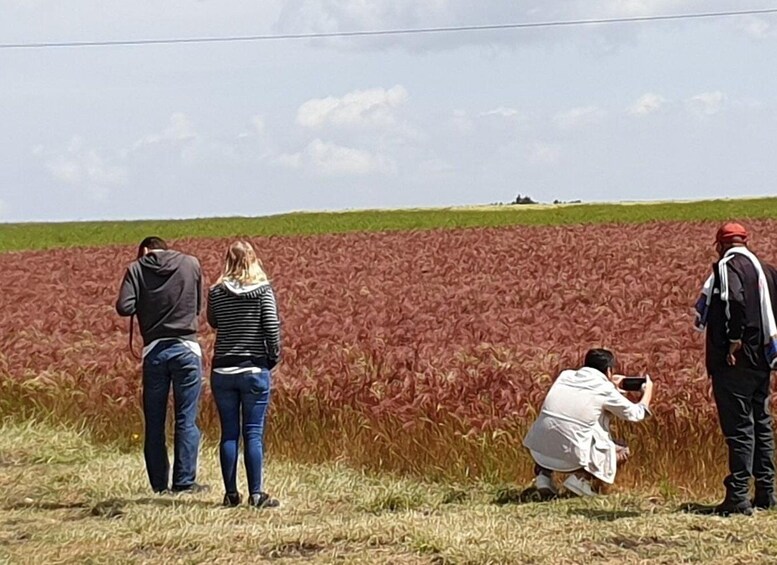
(461, 121)
(3, 208)
(289, 160)
(179, 130)
(647, 104)
(257, 129)
(635, 8)
(327, 159)
(502, 112)
(579, 117)
(84, 168)
(349, 15)
(193, 147)
(375, 107)
(258, 123)
(707, 103)
(755, 27)
(543, 154)
(65, 169)
(435, 167)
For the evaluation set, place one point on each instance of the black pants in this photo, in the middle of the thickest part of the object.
(742, 398)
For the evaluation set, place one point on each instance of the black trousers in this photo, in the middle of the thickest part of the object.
(742, 398)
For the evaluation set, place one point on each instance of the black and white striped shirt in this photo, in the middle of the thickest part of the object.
(248, 332)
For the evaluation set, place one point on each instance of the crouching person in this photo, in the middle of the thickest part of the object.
(572, 435)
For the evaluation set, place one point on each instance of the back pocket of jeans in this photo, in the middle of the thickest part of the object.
(259, 382)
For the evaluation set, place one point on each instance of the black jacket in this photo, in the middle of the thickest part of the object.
(744, 319)
(164, 289)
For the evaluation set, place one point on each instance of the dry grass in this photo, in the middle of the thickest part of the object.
(685, 457)
(67, 500)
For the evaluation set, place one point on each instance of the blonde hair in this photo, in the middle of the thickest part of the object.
(242, 265)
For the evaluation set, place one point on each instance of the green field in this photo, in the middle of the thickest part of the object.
(17, 237)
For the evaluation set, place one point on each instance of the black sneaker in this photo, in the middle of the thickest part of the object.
(263, 500)
(194, 488)
(232, 499)
(728, 508)
(764, 502)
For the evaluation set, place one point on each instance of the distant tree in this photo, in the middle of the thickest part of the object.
(557, 201)
(524, 200)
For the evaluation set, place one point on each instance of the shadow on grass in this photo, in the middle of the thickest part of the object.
(106, 506)
(604, 515)
(26, 505)
(513, 495)
(697, 508)
(110, 508)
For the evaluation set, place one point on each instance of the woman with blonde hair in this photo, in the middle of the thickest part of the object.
(243, 311)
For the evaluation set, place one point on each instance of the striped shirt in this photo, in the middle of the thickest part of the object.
(248, 333)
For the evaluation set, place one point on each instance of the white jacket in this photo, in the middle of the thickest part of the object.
(573, 428)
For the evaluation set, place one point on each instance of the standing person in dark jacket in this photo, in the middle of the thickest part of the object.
(737, 310)
(163, 288)
(242, 309)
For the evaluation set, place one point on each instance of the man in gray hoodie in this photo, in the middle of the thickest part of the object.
(163, 288)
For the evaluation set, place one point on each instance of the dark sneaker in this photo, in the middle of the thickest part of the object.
(194, 488)
(764, 502)
(727, 508)
(263, 500)
(232, 499)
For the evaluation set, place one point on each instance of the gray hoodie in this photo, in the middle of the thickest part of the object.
(164, 289)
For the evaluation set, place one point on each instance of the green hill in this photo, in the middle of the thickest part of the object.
(15, 237)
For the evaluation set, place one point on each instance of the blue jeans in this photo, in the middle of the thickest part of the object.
(247, 395)
(171, 362)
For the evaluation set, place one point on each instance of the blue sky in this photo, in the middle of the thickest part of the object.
(619, 112)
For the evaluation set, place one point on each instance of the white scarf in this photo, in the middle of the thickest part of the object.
(767, 314)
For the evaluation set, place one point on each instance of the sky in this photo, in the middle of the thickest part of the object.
(633, 111)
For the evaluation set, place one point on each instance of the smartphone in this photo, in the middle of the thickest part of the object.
(632, 383)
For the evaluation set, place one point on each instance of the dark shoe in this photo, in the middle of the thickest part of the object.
(263, 500)
(232, 499)
(764, 502)
(728, 508)
(194, 488)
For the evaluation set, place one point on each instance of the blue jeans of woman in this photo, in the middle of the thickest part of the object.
(242, 401)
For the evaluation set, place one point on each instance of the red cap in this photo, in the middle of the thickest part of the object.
(730, 231)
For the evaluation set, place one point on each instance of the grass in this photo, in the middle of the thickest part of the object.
(66, 500)
(24, 236)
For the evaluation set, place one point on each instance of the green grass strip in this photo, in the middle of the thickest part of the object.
(23, 236)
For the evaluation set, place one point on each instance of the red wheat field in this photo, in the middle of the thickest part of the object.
(422, 352)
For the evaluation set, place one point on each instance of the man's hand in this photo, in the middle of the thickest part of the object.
(617, 379)
(647, 391)
(733, 348)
